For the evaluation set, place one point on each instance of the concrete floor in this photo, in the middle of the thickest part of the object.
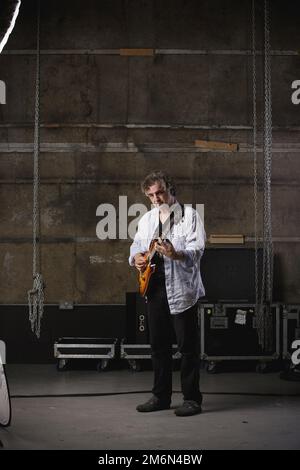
(242, 410)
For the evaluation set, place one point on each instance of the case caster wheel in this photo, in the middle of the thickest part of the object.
(61, 365)
(261, 368)
(102, 365)
(211, 367)
(135, 365)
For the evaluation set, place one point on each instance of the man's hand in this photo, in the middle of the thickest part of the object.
(140, 262)
(167, 249)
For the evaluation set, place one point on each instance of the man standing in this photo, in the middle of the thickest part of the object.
(175, 287)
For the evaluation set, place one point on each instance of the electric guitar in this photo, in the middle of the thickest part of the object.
(145, 275)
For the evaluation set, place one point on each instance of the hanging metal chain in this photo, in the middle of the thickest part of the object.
(258, 302)
(255, 170)
(36, 294)
(268, 157)
(263, 304)
(267, 271)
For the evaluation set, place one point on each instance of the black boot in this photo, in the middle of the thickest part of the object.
(154, 404)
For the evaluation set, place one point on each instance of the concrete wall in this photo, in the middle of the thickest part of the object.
(108, 119)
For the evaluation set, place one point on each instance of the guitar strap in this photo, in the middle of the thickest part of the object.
(169, 223)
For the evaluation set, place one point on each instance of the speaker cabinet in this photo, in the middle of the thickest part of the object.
(136, 319)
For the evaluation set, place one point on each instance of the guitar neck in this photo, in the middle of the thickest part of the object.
(162, 236)
(177, 216)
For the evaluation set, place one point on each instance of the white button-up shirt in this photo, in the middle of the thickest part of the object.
(182, 277)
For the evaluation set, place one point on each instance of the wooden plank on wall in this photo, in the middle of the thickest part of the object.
(213, 145)
(137, 52)
(226, 239)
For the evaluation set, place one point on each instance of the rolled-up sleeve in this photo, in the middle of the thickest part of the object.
(194, 241)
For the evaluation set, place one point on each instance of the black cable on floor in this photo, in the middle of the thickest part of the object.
(108, 394)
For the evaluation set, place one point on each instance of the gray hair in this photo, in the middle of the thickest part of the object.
(161, 177)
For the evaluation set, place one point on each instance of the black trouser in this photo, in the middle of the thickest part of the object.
(161, 327)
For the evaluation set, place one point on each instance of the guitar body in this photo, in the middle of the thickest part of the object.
(145, 276)
(144, 279)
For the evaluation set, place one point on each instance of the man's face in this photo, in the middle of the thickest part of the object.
(158, 195)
